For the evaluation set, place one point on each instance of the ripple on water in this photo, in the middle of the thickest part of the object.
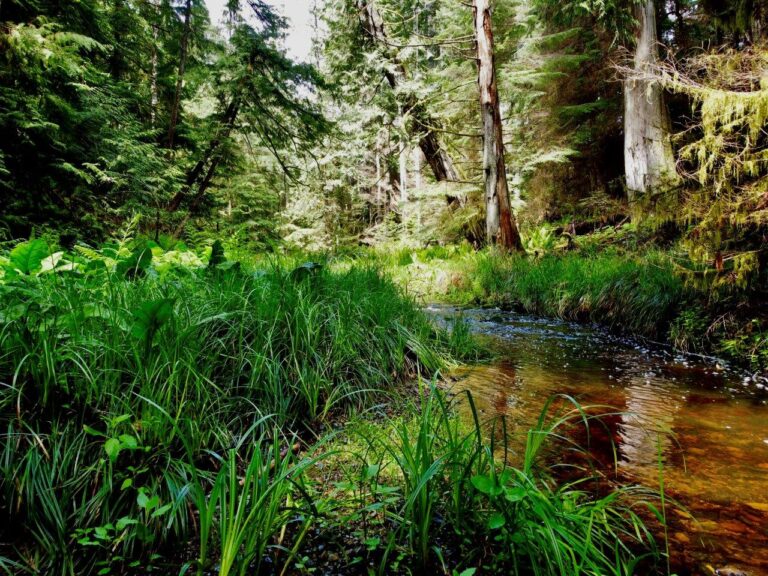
(707, 423)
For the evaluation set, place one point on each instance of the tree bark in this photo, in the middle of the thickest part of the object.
(402, 158)
(649, 161)
(423, 123)
(416, 153)
(153, 79)
(403, 161)
(379, 186)
(180, 78)
(681, 35)
(500, 224)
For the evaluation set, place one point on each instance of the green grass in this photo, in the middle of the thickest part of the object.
(640, 296)
(163, 415)
(638, 293)
(439, 495)
(648, 292)
(124, 391)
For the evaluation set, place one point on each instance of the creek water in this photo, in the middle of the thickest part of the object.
(707, 423)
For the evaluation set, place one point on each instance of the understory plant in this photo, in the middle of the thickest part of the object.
(456, 487)
(139, 404)
(547, 524)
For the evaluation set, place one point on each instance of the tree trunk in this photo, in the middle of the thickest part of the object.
(206, 166)
(500, 224)
(403, 175)
(153, 79)
(649, 161)
(681, 35)
(416, 152)
(180, 79)
(423, 123)
(402, 158)
(379, 187)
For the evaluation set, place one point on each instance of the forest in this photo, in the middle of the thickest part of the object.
(343, 287)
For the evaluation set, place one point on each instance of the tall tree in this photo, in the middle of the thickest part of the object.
(183, 48)
(261, 93)
(396, 75)
(649, 161)
(500, 224)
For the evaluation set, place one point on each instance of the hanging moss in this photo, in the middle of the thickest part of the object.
(724, 154)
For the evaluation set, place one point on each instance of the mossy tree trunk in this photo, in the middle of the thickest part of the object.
(500, 224)
(649, 160)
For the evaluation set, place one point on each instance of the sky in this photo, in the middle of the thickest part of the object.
(300, 19)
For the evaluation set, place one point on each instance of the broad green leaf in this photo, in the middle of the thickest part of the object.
(49, 263)
(496, 521)
(228, 265)
(371, 471)
(28, 256)
(120, 419)
(485, 484)
(152, 503)
(217, 255)
(13, 313)
(135, 264)
(112, 448)
(124, 522)
(150, 317)
(514, 494)
(129, 441)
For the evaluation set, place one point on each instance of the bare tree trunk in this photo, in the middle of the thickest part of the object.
(649, 161)
(500, 224)
(153, 79)
(423, 123)
(404, 175)
(379, 184)
(416, 168)
(180, 78)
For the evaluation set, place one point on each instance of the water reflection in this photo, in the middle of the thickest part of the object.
(708, 425)
(646, 429)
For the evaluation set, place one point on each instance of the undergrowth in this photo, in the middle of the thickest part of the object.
(166, 411)
(132, 393)
(429, 491)
(607, 279)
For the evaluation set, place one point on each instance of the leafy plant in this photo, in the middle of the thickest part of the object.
(149, 318)
(27, 257)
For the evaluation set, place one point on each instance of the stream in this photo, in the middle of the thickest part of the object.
(711, 421)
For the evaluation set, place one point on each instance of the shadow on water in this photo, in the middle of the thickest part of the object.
(711, 421)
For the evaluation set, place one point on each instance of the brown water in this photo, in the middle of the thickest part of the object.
(711, 423)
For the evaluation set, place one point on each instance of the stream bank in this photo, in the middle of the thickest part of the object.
(646, 292)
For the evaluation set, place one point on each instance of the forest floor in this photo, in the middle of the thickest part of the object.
(173, 410)
(167, 411)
